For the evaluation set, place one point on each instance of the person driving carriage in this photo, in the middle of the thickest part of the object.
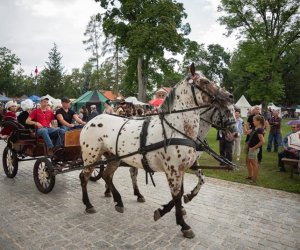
(65, 116)
(42, 118)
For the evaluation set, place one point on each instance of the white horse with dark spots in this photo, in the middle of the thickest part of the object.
(161, 143)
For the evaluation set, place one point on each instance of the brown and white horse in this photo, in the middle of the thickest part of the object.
(180, 121)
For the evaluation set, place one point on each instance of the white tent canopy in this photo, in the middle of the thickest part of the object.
(243, 105)
(134, 101)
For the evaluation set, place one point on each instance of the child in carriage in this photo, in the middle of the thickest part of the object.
(10, 115)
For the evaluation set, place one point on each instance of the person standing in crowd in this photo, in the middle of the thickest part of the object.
(108, 109)
(10, 115)
(237, 139)
(122, 107)
(42, 118)
(249, 127)
(84, 114)
(275, 131)
(65, 116)
(225, 139)
(94, 112)
(287, 151)
(255, 142)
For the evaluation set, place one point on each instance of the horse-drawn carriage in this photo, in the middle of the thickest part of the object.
(24, 145)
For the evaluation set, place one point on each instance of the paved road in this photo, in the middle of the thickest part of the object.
(224, 215)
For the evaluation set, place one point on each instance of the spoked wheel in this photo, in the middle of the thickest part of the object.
(97, 173)
(10, 162)
(43, 176)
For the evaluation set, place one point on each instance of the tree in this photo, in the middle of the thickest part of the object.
(214, 61)
(51, 77)
(146, 29)
(93, 33)
(270, 30)
(87, 75)
(8, 62)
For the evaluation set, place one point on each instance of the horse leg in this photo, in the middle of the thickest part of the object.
(167, 208)
(133, 173)
(188, 197)
(84, 177)
(108, 177)
(175, 181)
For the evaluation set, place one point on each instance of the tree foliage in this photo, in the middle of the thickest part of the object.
(94, 33)
(50, 80)
(146, 29)
(270, 30)
(8, 63)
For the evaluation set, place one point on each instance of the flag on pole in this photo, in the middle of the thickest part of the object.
(36, 70)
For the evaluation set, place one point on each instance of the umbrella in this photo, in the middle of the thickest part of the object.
(293, 122)
(156, 102)
(34, 98)
(4, 98)
(294, 140)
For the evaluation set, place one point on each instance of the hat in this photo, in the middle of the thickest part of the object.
(93, 106)
(65, 99)
(10, 104)
(44, 98)
(27, 104)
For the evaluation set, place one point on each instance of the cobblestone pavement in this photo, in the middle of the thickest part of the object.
(224, 215)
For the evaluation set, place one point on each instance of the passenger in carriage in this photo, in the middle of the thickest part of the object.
(27, 106)
(65, 116)
(10, 115)
(42, 118)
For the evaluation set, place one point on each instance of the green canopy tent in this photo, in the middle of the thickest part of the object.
(89, 98)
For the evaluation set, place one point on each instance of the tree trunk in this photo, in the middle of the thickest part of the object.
(116, 85)
(141, 83)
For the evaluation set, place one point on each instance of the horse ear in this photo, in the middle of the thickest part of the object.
(192, 69)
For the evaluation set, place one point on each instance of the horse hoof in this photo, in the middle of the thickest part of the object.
(107, 195)
(156, 215)
(90, 210)
(183, 211)
(186, 199)
(141, 199)
(119, 209)
(188, 233)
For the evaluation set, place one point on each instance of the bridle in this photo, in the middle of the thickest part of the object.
(217, 98)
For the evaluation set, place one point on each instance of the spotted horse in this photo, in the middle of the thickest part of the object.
(170, 141)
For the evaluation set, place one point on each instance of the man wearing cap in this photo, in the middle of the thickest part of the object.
(42, 118)
(65, 116)
(287, 151)
(94, 112)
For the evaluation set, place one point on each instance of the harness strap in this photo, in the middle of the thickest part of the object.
(117, 155)
(194, 95)
(143, 140)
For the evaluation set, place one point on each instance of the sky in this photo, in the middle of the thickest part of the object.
(30, 27)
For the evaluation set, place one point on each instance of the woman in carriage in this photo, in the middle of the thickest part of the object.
(10, 115)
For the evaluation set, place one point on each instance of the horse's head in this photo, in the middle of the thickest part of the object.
(221, 110)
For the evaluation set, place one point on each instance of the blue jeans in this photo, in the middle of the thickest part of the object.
(276, 137)
(48, 133)
(68, 129)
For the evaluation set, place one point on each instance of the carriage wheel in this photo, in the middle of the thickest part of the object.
(43, 175)
(97, 173)
(10, 162)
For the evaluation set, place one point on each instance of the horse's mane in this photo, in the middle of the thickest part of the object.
(167, 105)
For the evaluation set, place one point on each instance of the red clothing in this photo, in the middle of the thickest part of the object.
(42, 117)
(9, 115)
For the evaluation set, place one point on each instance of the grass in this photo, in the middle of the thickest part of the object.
(268, 176)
